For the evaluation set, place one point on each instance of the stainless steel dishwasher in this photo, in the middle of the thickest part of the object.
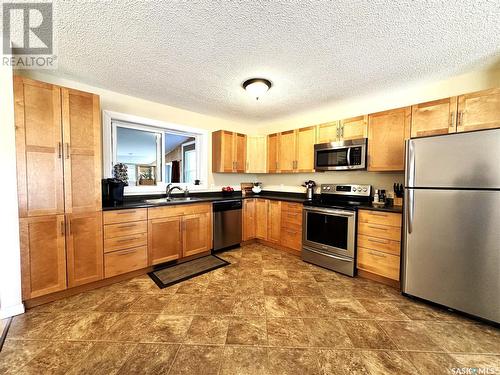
(227, 223)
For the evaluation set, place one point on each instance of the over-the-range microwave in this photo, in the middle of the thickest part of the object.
(343, 155)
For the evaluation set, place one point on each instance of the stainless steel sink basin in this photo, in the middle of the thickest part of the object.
(170, 200)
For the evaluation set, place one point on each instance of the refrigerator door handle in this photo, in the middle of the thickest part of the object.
(410, 164)
(410, 210)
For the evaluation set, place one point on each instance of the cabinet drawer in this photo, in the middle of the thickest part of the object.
(380, 217)
(125, 229)
(380, 244)
(180, 210)
(124, 261)
(379, 263)
(291, 237)
(291, 207)
(123, 216)
(125, 242)
(291, 217)
(380, 231)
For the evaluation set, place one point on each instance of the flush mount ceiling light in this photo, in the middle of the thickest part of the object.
(257, 86)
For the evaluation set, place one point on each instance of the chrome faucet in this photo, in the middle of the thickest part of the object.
(170, 188)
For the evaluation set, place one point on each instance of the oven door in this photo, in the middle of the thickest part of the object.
(329, 230)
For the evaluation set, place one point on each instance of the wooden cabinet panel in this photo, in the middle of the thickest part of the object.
(248, 219)
(43, 255)
(380, 244)
(240, 154)
(125, 242)
(479, 110)
(387, 132)
(272, 153)
(124, 216)
(306, 138)
(125, 229)
(291, 236)
(196, 231)
(228, 152)
(380, 231)
(328, 132)
(84, 248)
(380, 217)
(81, 120)
(433, 118)
(353, 128)
(179, 210)
(274, 221)
(37, 109)
(256, 154)
(261, 209)
(287, 151)
(124, 261)
(164, 239)
(379, 263)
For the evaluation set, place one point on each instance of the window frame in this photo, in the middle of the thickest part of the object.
(109, 149)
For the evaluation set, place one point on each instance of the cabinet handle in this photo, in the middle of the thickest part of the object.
(378, 241)
(67, 150)
(377, 255)
(125, 212)
(460, 119)
(69, 227)
(127, 226)
(374, 227)
(378, 214)
(452, 120)
(62, 228)
(59, 150)
(127, 239)
(342, 131)
(338, 132)
(125, 252)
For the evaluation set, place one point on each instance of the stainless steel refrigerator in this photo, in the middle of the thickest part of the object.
(452, 222)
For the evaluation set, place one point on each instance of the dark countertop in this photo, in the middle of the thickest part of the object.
(132, 202)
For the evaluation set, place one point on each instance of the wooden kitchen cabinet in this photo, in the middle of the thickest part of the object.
(272, 153)
(256, 154)
(479, 110)
(43, 255)
(164, 239)
(306, 138)
(328, 132)
(287, 151)
(387, 132)
(291, 225)
(81, 120)
(228, 152)
(274, 221)
(433, 118)
(37, 109)
(353, 128)
(84, 244)
(196, 234)
(261, 218)
(249, 219)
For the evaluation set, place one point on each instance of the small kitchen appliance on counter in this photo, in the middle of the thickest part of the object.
(309, 185)
(329, 226)
(112, 192)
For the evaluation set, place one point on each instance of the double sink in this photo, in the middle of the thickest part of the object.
(171, 200)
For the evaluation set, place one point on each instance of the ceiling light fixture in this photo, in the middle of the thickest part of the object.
(257, 86)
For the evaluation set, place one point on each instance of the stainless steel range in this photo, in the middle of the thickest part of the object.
(329, 226)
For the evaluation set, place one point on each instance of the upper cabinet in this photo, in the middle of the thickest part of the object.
(479, 110)
(353, 128)
(328, 132)
(256, 154)
(433, 118)
(272, 153)
(387, 132)
(306, 138)
(287, 151)
(228, 152)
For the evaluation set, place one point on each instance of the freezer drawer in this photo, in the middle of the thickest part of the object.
(452, 249)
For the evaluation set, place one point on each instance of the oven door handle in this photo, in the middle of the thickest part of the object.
(343, 259)
(328, 211)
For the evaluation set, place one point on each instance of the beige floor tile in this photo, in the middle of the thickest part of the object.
(194, 359)
(287, 332)
(192, 287)
(306, 288)
(244, 361)
(17, 353)
(182, 304)
(487, 363)
(348, 308)
(381, 362)
(117, 302)
(208, 330)
(410, 336)
(281, 306)
(130, 327)
(150, 303)
(365, 334)
(247, 331)
(341, 362)
(383, 309)
(169, 328)
(215, 304)
(301, 276)
(325, 332)
(249, 305)
(277, 288)
(293, 361)
(432, 363)
(149, 359)
(274, 275)
(315, 306)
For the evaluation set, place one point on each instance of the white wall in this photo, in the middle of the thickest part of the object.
(10, 266)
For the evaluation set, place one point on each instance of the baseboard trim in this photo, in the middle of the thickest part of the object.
(378, 278)
(5, 330)
(8, 312)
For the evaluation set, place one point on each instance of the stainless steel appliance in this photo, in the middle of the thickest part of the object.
(227, 223)
(337, 156)
(329, 226)
(452, 222)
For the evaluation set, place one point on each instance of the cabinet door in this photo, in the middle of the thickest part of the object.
(256, 154)
(433, 118)
(328, 132)
(43, 256)
(39, 147)
(248, 219)
(81, 120)
(164, 239)
(222, 151)
(84, 248)
(306, 138)
(354, 128)
(272, 153)
(387, 132)
(196, 231)
(274, 222)
(287, 151)
(261, 218)
(240, 153)
(479, 110)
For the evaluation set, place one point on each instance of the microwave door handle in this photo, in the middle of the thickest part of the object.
(348, 156)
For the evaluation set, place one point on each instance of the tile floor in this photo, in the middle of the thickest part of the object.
(266, 313)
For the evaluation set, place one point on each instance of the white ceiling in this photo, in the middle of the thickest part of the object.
(195, 54)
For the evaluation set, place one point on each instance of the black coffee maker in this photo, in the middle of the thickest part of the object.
(112, 192)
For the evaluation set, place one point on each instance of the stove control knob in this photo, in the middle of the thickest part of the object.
(354, 189)
(364, 190)
(328, 188)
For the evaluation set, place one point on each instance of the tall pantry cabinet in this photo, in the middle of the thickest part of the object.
(58, 142)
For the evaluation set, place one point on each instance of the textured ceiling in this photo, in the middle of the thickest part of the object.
(195, 54)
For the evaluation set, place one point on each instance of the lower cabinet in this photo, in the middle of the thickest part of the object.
(274, 222)
(124, 261)
(261, 210)
(165, 239)
(291, 225)
(84, 247)
(196, 234)
(249, 219)
(43, 255)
